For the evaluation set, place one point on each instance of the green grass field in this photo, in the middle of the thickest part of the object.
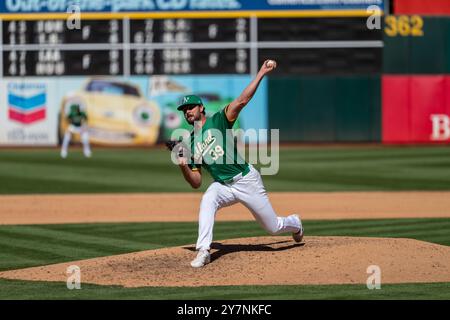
(141, 170)
(301, 169)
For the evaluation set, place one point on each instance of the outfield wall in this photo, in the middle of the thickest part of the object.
(326, 108)
(409, 102)
(416, 79)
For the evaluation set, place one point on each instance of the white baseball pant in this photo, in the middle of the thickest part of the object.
(83, 131)
(248, 190)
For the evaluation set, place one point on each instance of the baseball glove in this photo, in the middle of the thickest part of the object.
(178, 146)
(170, 144)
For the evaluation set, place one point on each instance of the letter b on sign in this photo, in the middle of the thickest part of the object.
(441, 127)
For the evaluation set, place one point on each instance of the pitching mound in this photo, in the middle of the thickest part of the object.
(262, 261)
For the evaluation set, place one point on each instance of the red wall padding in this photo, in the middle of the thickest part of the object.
(409, 103)
(427, 98)
(395, 109)
(427, 7)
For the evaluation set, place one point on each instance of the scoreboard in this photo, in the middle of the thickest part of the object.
(188, 46)
(174, 45)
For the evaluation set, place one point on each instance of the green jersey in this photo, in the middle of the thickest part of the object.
(214, 149)
(76, 118)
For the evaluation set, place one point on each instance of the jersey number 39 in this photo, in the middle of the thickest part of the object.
(216, 153)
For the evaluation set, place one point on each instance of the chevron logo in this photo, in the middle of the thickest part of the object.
(27, 102)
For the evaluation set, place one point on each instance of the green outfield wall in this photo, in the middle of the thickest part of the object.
(423, 51)
(326, 108)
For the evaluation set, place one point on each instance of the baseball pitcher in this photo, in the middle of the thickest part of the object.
(234, 179)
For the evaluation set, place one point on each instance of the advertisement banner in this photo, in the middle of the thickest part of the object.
(62, 6)
(27, 112)
(416, 109)
(121, 111)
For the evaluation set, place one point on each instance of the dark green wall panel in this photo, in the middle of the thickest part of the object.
(396, 55)
(427, 54)
(357, 109)
(447, 47)
(284, 101)
(326, 109)
(316, 107)
(353, 111)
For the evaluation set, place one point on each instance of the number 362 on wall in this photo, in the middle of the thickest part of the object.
(404, 26)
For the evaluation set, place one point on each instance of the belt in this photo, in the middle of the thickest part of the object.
(238, 177)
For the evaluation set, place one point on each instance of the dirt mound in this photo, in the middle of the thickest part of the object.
(263, 261)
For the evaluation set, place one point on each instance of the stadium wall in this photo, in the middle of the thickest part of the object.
(416, 109)
(416, 82)
(407, 103)
(326, 108)
(428, 7)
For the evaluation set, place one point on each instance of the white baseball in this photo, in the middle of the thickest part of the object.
(270, 63)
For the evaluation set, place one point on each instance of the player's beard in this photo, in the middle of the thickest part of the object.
(193, 117)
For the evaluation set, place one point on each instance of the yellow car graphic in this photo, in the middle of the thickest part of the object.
(117, 113)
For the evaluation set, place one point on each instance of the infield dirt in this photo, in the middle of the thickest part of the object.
(170, 207)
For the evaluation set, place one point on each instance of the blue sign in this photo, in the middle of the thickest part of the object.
(63, 6)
